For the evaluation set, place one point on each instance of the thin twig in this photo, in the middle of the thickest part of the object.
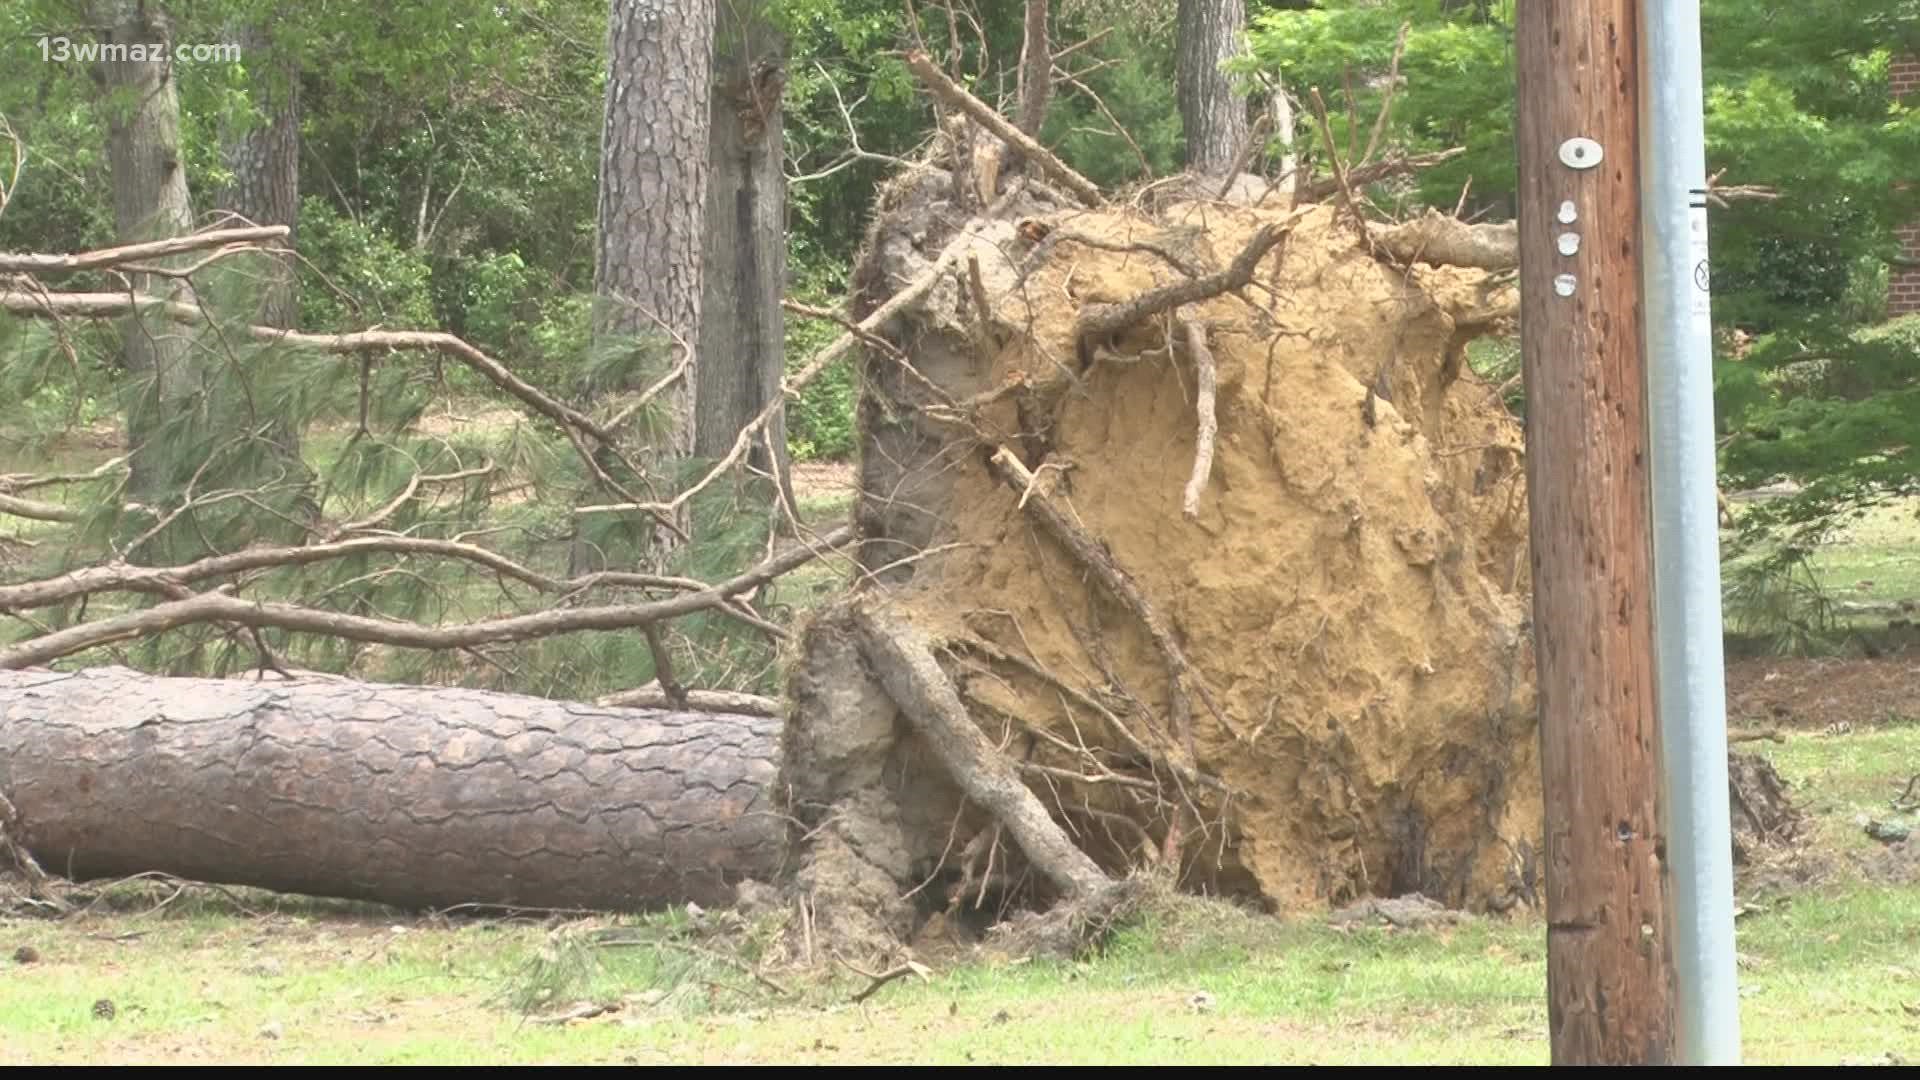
(923, 68)
(1339, 168)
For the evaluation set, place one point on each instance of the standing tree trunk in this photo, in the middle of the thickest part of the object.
(1212, 115)
(1036, 69)
(742, 352)
(141, 104)
(653, 187)
(410, 795)
(264, 159)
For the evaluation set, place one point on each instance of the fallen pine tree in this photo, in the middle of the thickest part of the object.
(413, 796)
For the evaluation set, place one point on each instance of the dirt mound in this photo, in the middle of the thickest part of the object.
(1318, 688)
(1763, 814)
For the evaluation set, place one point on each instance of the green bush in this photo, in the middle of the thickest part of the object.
(373, 280)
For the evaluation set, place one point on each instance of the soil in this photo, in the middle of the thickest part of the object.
(1351, 596)
(1822, 692)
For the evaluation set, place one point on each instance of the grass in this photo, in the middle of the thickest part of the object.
(1828, 974)
(1877, 549)
(1845, 778)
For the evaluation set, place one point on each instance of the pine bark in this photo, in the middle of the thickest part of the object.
(264, 160)
(742, 345)
(1214, 118)
(421, 797)
(141, 105)
(653, 185)
(1036, 69)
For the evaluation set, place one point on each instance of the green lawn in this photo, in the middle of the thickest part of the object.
(1829, 974)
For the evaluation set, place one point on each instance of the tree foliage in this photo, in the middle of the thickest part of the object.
(1810, 389)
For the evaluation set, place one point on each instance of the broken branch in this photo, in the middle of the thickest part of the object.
(1379, 170)
(720, 701)
(11, 263)
(1100, 320)
(110, 305)
(937, 81)
(221, 607)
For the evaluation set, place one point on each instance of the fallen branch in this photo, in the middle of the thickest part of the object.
(1100, 320)
(1146, 166)
(937, 81)
(877, 343)
(1339, 168)
(1254, 140)
(173, 580)
(221, 607)
(1208, 426)
(1386, 99)
(1905, 801)
(15, 483)
(1724, 195)
(112, 305)
(905, 666)
(721, 701)
(790, 386)
(1442, 240)
(35, 509)
(877, 980)
(582, 1010)
(12, 263)
(1379, 170)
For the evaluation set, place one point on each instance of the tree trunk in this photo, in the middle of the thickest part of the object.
(1036, 69)
(653, 186)
(413, 796)
(1214, 117)
(141, 104)
(742, 352)
(264, 159)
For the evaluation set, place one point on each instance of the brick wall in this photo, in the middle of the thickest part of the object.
(1903, 294)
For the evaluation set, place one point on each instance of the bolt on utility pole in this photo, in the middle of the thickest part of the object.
(1589, 494)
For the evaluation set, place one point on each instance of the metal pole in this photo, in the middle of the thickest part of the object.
(1686, 548)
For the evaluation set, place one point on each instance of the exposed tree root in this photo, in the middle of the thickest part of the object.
(1196, 334)
(904, 663)
(1444, 240)
(1101, 320)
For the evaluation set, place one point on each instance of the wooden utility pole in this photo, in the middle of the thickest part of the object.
(1608, 974)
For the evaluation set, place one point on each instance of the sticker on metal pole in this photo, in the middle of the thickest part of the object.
(1700, 290)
